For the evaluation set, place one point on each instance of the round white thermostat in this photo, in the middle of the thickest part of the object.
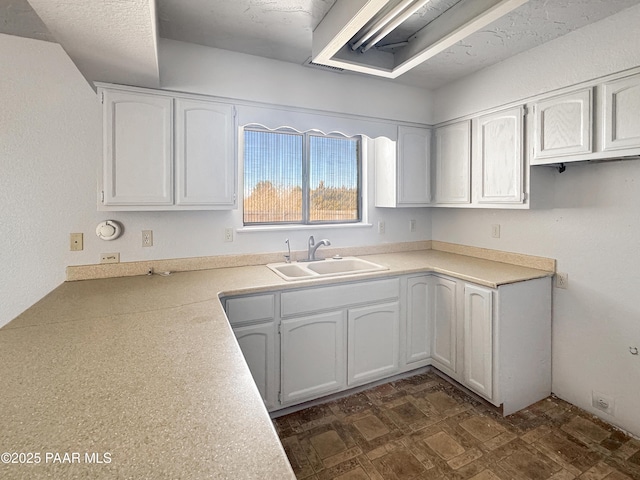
(109, 230)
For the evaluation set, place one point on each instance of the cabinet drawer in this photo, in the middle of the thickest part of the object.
(250, 309)
(338, 296)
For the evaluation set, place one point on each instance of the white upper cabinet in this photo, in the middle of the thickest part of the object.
(403, 169)
(453, 163)
(166, 153)
(138, 160)
(563, 125)
(414, 166)
(621, 106)
(498, 158)
(205, 170)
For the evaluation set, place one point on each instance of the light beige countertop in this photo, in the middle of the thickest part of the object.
(145, 372)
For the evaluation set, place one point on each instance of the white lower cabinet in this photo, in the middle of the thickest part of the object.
(417, 327)
(444, 320)
(313, 356)
(258, 344)
(373, 342)
(253, 321)
(496, 342)
(478, 340)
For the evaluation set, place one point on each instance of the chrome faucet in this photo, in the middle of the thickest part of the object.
(313, 246)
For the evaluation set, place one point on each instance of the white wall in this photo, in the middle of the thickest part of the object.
(197, 69)
(50, 150)
(592, 226)
(49, 126)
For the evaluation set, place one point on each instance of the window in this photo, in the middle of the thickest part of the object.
(301, 178)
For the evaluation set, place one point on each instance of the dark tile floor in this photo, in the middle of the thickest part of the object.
(422, 427)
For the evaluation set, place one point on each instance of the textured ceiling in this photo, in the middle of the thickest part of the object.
(282, 29)
(18, 18)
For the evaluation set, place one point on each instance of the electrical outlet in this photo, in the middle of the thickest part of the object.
(109, 258)
(495, 230)
(228, 234)
(75, 242)
(412, 225)
(381, 227)
(562, 280)
(147, 238)
(602, 402)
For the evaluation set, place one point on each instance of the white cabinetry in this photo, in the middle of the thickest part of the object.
(403, 171)
(563, 125)
(138, 142)
(313, 356)
(254, 325)
(478, 339)
(621, 106)
(258, 345)
(163, 152)
(570, 127)
(417, 329)
(498, 158)
(205, 170)
(453, 163)
(373, 341)
(444, 320)
(338, 336)
(496, 342)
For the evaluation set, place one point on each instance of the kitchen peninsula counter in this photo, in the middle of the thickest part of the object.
(142, 377)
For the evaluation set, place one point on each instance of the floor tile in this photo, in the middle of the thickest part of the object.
(328, 444)
(445, 446)
(423, 427)
(371, 427)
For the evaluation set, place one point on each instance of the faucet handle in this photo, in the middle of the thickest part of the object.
(312, 241)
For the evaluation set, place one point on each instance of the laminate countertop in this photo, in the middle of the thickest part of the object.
(141, 377)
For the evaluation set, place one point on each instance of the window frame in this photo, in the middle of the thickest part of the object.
(306, 174)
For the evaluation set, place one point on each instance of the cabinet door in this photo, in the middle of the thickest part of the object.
(498, 157)
(478, 340)
(373, 341)
(622, 113)
(453, 163)
(563, 125)
(257, 343)
(205, 158)
(444, 318)
(414, 166)
(313, 356)
(138, 159)
(418, 332)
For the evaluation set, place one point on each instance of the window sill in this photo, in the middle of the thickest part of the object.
(284, 228)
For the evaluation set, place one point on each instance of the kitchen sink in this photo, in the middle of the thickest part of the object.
(324, 268)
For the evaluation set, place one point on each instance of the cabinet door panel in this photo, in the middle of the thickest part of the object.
(313, 356)
(414, 151)
(373, 340)
(498, 162)
(478, 340)
(418, 334)
(453, 163)
(444, 322)
(563, 125)
(257, 343)
(205, 165)
(138, 155)
(622, 113)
